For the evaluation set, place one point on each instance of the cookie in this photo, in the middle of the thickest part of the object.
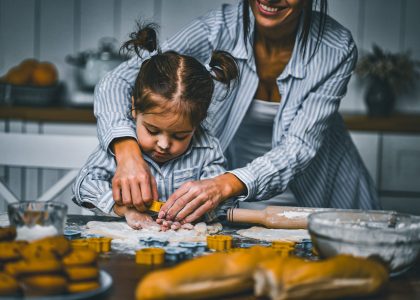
(10, 251)
(35, 252)
(80, 287)
(7, 233)
(21, 268)
(41, 285)
(79, 257)
(8, 285)
(58, 244)
(82, 273)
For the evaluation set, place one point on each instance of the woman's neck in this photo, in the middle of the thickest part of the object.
(277, 39)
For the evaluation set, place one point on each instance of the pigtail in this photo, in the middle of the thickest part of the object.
(223, 67)
(145, 38)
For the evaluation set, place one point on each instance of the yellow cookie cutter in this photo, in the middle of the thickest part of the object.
(150, 256)
(282, 243)
(79, 244)
(219, 242)
(156, 206)
(283, 248)
(100, 245)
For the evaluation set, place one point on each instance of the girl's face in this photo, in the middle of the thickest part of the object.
(270, 14)
(163, 135)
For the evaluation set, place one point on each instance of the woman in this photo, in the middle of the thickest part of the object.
(297, 63)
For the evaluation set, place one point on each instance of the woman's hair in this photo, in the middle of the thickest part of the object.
(178, 83)
(308, 9)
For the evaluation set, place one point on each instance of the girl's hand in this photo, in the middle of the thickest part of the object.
(133, 184)
(138, 220)
(195, 198)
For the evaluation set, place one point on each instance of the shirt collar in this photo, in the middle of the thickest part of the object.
(242, 50)
(201, 139)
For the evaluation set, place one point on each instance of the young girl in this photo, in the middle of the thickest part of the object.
(170, 99)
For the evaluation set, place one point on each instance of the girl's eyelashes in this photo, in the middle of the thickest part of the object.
(152, 131)
(181, 137)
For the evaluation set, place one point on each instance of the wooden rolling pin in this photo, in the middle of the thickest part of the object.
(281, 217)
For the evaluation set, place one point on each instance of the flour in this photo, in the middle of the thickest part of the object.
(36, 232)
(295, 214)
(265, 234)
(127, 240)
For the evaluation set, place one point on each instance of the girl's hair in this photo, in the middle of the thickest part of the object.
(308, 9)
(176, 82)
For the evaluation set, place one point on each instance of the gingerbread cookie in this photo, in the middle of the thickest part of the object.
(44, 285)
(58, 244)
(82, 273)
(84, 286)
(7, 233)
(80, 257)
(8, 285)
(10, 251)
(33, 267)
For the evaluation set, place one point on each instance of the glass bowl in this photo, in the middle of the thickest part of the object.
(391, 237)
(37, 219)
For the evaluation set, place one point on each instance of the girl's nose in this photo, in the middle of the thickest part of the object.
(163, 143)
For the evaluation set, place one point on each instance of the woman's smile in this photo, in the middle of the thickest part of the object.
(269, 10)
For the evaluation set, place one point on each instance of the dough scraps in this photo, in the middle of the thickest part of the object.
(126, 239)
(269, 235)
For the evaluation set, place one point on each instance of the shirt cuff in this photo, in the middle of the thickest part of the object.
(106, 203)
(247, 177)
(118, 132)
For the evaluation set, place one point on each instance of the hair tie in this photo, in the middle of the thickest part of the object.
(153, 53)
(208, 68)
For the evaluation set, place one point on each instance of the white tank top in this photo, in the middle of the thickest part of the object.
(254, 138)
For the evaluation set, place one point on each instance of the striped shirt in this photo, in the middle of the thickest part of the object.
(312, 152)
(203, 159)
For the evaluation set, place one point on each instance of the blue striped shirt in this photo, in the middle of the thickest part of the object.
(203, 159)
(312, 152)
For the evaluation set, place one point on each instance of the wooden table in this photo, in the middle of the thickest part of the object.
(126, 274)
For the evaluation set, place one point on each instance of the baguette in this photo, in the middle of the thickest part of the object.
(208, 276)
(340, 276)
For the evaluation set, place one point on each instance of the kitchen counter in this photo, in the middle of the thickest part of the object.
(402, 123)
(126, 273)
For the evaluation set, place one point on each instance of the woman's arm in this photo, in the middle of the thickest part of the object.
(196, 198)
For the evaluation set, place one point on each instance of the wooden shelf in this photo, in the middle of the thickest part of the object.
(48, 114)
(398, 123)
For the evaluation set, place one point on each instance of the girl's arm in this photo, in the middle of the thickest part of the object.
(196, 198)
(112, 108)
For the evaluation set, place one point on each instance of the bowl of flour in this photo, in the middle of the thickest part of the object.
(391, 237)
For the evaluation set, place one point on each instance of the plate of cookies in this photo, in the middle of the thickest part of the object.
(49, 268)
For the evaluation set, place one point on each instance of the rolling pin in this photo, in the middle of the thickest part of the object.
(279, 217)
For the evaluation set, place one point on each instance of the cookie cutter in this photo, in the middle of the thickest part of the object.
(100, 245)
(156, 206)
(219, 242)
(154, 242)
(190, 246)
(283, 243)
(283, 248)
(150, 256)
(79, 244)
(175, 254)
(72, 234)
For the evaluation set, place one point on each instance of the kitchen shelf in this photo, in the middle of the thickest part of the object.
(398, 123)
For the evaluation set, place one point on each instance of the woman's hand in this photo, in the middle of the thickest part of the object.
(133, 184)
(195, 198)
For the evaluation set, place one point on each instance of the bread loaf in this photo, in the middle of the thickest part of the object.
(341, 276)
(205, 277)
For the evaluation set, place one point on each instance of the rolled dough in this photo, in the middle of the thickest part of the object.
(265, 234)
(127, 239)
